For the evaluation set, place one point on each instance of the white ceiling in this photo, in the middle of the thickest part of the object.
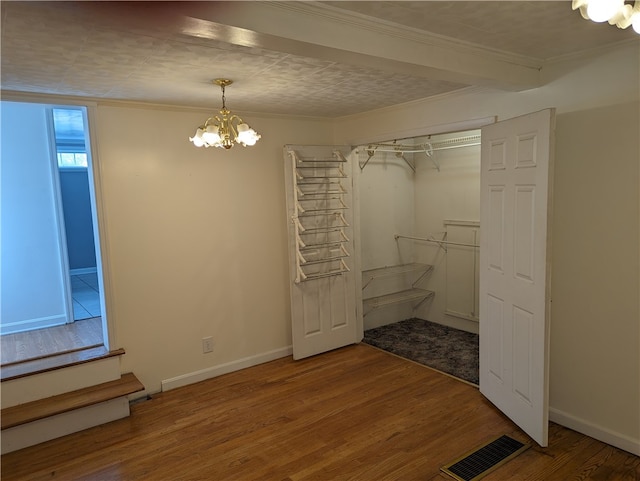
(324, 59)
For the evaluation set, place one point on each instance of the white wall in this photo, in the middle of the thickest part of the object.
(452, 193)
(595, 337)
(197, 242)
(33, 294)
(595, 343)
(394, 200)
(386, 189)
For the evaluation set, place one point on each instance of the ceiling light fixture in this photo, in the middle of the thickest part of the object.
(616, 12)
(224, 131)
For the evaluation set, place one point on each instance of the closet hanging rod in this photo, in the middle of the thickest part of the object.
(399, 149)
(436, 241)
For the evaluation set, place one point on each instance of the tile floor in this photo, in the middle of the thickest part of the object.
(86, 296)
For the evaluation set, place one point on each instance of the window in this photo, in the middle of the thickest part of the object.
(68, 125)
(72, 159)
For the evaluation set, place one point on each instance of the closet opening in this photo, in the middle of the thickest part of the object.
(419, 206)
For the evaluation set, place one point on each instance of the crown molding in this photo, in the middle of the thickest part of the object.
(392, 29)
(301, 28)
(56, 99)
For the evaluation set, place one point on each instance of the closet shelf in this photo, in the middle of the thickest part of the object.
(371, 274)
(409, 295)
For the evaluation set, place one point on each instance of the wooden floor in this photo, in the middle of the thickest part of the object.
(40, 343)
(357, 413)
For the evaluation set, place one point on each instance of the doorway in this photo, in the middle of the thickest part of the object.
(75, 195)
(419, 229)
(49, 233)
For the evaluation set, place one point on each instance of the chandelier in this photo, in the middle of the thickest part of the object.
(616, 12)
(226, 130)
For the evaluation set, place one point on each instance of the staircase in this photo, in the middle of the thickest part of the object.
(53, 396)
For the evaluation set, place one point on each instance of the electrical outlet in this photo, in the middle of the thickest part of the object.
(207, 344)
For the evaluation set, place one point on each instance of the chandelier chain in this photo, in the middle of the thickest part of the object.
(224, 107)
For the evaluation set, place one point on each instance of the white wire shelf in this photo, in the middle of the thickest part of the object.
(408, 295)
(369, 275)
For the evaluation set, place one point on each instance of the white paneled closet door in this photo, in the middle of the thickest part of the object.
(515, 216)
(323, 265)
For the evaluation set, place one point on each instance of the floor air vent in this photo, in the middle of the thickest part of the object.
(481, 461)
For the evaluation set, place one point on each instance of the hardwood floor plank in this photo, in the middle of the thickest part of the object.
(356, 413)
(57, 361)
(40, 343)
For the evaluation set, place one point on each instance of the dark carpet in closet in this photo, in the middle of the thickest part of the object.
(444, 348)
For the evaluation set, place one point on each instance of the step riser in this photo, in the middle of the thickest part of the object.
(53, 427)
(39, 386)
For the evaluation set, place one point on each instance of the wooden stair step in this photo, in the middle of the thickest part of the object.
(56, 361)
(43, 408)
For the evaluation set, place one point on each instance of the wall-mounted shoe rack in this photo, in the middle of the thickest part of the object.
(320, 187)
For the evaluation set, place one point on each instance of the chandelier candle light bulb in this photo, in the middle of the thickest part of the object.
(616, 12)
(603, 10)
(226, 130)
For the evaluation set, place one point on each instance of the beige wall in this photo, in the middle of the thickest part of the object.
(595, 340)
(196, 240)
(595, 334)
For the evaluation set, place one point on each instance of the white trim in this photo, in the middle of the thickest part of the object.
(395, 30)
(597, 432)
(83, 270)
(100, 228)
(70, 100)
(31, 324)
(214, 371)
(46, 384)
(63, 254)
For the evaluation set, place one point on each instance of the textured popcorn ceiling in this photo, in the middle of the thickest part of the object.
(168, 52)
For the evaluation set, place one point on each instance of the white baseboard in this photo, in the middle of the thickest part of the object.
(31, 324)
(597, 432)
(83, 270)
(214, 371)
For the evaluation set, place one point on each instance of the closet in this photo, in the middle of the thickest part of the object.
(381, 233)
(419, 229)
(411, 221)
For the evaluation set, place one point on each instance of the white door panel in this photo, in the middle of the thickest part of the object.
(514, 274)
(322, 255)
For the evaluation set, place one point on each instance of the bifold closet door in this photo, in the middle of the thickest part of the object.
(319, 195)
